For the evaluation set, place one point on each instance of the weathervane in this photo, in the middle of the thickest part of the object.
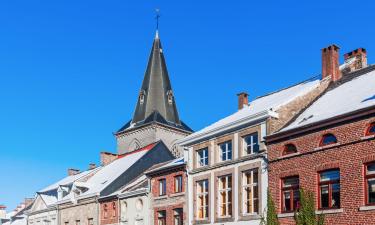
(157, 18)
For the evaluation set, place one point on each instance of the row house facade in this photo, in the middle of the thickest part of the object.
(227, 161)
(168, 182)
(329, 149)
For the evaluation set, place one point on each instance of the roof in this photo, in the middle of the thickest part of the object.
(356, 92)
(166, 165)
(156, 102)
(268, 103)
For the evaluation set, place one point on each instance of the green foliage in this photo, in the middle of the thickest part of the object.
(306, 213)
(271, 212)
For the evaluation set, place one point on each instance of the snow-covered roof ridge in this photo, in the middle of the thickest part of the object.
(261, 107)
(165, 165)
(356, 91)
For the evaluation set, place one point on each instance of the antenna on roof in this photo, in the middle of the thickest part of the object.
(157, 21)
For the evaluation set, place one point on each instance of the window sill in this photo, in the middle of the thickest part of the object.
(201, 221)
(177, 194)
(245, 217)
(368, 137)
(326, 146)
(329, 211)
(367, 208)
(284, 215)
(289, 155)
(161, 197)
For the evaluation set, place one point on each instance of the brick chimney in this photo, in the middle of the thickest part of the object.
(355, 60)
(243, 100)
(2, 212)
(92, 166)
(107, 157)
(330, 63)
(29, 201)
(72, 171)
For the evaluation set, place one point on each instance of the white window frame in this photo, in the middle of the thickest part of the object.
(227, 152)
(245, 186)
(228, 192)
(205, 206)
(201, 160)
(251, 144)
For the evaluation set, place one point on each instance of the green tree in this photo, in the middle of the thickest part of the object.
(270, 212)
(306, 213)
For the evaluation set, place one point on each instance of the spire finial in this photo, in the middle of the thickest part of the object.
(157, 22)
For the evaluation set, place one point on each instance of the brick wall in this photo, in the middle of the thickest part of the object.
(109, 212)
(353, 149)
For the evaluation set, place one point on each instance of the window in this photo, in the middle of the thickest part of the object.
(90, 221)
(329, 189)
(78, 222)
(178, 216)
(290, 194)
(105, 213)
(370, 183)
(371, 129)
(202, 199)
(114, 209)
(225, 151)
(225, 196)
(66, 223)
(162, 187)
(250, 193)
(162, 217)
(202, 156)
(178, 184)
(328, 139)
(289, 149)
(251, 144)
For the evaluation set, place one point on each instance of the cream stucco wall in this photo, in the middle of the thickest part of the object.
(132, 212)
(81, 211)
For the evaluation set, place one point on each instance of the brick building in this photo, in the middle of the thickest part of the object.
(168, 193)
(329, 148)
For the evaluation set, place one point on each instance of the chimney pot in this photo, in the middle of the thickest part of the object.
(107, 157)
(92, 166)
(330, 63)
(72, 171)
(243, 100)
(355, 60)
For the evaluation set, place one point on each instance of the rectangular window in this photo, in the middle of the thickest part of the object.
(178, 216)
(225, 151)
(66, 223)
(202, 157)
(250, 194)
(90, 221)
(290, 194)
(178, 184)
(162, 217)
(370, 183)
(329, 189)
(202, 199)
(225, 196)
(251, 144)
(78, 222)
(162, 187)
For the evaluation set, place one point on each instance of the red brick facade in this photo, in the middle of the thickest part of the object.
(109, 212)
(172, 202)
(354, 148)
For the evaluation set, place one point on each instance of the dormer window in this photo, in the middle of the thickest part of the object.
(142, 97)
(371, 129)
(289, 149)
(328, 139)
(170, 96)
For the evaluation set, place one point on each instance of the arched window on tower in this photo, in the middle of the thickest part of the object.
(142, 97)
(170, 96)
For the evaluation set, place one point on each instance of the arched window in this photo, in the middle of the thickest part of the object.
(289, 149)
(105, 211)
(328, 139)
(371, 129)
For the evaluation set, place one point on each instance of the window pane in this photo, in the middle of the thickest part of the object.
(296, 199)
(324, 198)
(330, 175)
(329, 139)
(287, 201)
(372, 129)
(371, 168)
(335, 195)
(290, 149)
(371, 190)
(255, 176)
(288, 182)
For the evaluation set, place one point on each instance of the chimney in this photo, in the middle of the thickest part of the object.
(92, 166)
(72, 172)
(28, 201)
(107, 157)
(2, 212)
(355, 60)
(243, 100)
(330, 63)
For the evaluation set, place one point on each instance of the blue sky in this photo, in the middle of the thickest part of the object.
(70, 70)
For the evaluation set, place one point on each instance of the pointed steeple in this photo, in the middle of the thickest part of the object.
(156, 95)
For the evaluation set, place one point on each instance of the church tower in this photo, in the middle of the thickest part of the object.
(156, 115)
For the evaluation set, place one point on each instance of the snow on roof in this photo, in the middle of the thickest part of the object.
(168, 164)
(49, 199)
(356, 94)
(270, 102)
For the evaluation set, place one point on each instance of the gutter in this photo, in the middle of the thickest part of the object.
(253, 117)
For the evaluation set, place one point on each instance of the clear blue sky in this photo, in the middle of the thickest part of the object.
(70, 70)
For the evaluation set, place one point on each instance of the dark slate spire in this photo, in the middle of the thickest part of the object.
(156, 95)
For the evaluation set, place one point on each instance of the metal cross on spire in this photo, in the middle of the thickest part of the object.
(157, 18)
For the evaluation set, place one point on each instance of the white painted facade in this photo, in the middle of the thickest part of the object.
(135, 208)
